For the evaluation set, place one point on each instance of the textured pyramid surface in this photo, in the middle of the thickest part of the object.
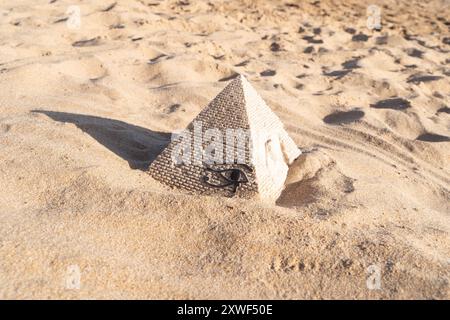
(268, 150)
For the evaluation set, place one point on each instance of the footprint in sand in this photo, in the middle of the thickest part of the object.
(431, 137)
(292, 5)
(275, 47)
(338, 73)
(438, 95)
(350, 30)
(218, 57)
(63, 19)
(117, 26)
(392, 103)
(301, 193)
(312, 39)
(158, 58)
(309, 49)
(230, 77)
(242, 64)
(360, 37)
(110, 7)
(351, 64)
(343, 117)
(173, 108)
(138, 146)
(5, 127)
(444, 110)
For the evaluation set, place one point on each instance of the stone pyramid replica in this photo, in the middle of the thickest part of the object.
(236, 146)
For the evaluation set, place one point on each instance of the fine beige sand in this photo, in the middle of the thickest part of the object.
(84, 110)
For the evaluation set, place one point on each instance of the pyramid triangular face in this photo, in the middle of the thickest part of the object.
(235, 147)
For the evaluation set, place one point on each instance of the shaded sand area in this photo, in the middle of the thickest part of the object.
(84, 110)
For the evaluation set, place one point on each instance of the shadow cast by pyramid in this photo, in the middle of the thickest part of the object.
(137, 145)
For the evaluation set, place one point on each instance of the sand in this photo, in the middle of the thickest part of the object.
(84, 110)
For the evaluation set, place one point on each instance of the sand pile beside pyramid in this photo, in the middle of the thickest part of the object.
(367, 200)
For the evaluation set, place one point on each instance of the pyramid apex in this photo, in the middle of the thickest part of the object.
(242, 82)
(238, 77)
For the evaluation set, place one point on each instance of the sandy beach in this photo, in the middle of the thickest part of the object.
(90, 92)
